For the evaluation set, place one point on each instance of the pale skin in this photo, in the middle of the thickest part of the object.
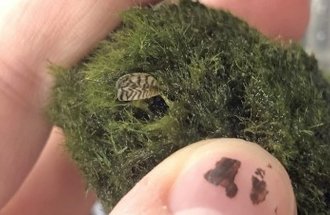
(37, 175)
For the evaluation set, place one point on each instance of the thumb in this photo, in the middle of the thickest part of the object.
(213, 177)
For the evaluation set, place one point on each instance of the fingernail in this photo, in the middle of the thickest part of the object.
(229, 184)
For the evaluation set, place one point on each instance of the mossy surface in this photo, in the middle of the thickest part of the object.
(219, 78)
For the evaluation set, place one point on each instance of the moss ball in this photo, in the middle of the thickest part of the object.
(215, 77)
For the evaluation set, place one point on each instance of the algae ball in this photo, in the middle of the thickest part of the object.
(215, 77)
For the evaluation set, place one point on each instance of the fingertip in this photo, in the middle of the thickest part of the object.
(221, 176)
(274, 18)
(229, 176)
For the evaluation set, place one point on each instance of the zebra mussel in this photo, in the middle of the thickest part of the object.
(136, 86)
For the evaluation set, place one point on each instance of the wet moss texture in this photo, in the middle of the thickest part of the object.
(218, 78)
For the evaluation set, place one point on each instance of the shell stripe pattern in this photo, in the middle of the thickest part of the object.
(136, 86)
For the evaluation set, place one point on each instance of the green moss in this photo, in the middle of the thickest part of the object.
(220, 78)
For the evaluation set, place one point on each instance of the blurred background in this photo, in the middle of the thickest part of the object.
(317, 37)
(316, 41)
(97, 209)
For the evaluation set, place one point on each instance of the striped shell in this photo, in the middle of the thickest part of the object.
(136, 86)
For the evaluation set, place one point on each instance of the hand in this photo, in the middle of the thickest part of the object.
(36, 32)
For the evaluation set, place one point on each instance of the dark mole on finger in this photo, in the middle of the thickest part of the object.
(259, 191)
(224, 175)
(260, 172)
(231, 190)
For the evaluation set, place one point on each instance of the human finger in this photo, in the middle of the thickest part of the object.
(33, 34)
(214, 177)
(54, 185)
(274, 18)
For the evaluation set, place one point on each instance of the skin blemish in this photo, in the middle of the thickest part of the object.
(260, 172)
(269, 166)
(259, 190)
(224, 175)
(275, 210)
(231, 190)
